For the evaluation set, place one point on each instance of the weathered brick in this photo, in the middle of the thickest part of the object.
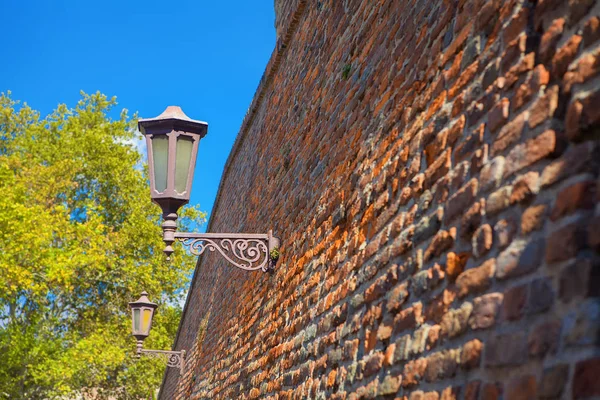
(525, 187)
(506, 350)
(550, 38)
(373, 364)
(442, 365)
(579, 280)
(566, 241)
(491, 391)
(413, 372)
(583, 157)
(455, 264)
(565, 55)
(498, 201)
(533, 218)
(585, 382)
(553, 381)
(577, 196)
(498, 114)
(520, 259)
(541, 296)
(462, 199)
(477, 279)
(491, 173)
(442, 241)
(454, 323)
(543, 339)
(581, 327)
(514, 302)
(485, 310)
(544, 107)
(531, 151)
(509, 134)
(482, 240)
(521, 388)
(471, 354)
(472, 219)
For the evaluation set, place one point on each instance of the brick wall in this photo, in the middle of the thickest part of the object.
(432, 168)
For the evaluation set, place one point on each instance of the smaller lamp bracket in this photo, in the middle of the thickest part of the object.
(174, 359)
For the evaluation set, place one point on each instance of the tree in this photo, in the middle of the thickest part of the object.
(79, 239)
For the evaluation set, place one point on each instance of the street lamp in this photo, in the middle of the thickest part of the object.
(172, 140)
(142, 312)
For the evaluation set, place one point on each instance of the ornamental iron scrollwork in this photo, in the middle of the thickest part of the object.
(174, 359)
(249, 251)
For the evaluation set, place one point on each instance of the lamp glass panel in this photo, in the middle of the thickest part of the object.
(182, 162)
(136, 320)
(146, 319)
(160, 158)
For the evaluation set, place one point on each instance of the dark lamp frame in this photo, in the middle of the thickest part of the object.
(174, 359)
(248, 251)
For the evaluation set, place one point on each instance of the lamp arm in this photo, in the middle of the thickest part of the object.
(175, 359)
(248, 251)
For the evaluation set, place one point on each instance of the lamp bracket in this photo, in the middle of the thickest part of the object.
(248, 251)
(175, 359)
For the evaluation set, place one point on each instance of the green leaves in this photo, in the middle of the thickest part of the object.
(79, 239)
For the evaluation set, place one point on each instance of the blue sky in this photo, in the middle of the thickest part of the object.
(205, 56)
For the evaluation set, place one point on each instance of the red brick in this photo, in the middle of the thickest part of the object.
(504, 230)
(373, 364)
(475, 279)
(455, 322)
(455, 264)
(564, 56)
(472, 390)
(585, 382)
(498, 114)
(578, 280)
(471, 354)
(533, 218)
(553, 381)
(582, 117)
(485, 310)
(587, 67)
(578, 8)
(520, 258)
(413, 371)
(498, 201)
(550, 38)
(514, 302)
(462, 199)
(525, 188)
(591, 31)
(541, 296)
(441, 365)
(438, 169)
(543, 339)
(441, 242)
(565, 242)
(491, 391)
(509, 134)
(580, 195)
(531, 87)
(516, 25)
(543, 108)
(584, 157)
(533, 150)
(506, 350)
(471, 220)
(521, 388)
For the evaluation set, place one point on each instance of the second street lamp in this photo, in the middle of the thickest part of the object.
(142, 312)
(173, 139)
